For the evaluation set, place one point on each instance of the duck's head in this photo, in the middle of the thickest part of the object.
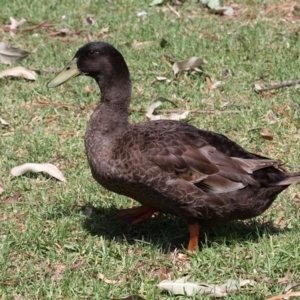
(99, 60)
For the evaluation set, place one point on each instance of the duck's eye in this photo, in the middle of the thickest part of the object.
(92, 52)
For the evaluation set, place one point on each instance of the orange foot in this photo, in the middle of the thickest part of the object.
(194, 234)
(136, 214)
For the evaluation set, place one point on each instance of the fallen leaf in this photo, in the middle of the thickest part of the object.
(14, 23)
(132, 297)
(61, 32)
(258, 87)
(88, 21)
(15, 197)
(3, 122)
(212, 4)
(141, 13)
(290, 287)
(266, 134)
(156, 2)
(224, 10)
(187, 64)
(163, 79)
(183, 287)
(103, 32)
(246, 282)
(216, 7)
(106, 280)
(173, 116)
(9, 55)
(58, 272)
(32, 167)
(1, 187)
(19, 72)
(281, 297)
(287, 276)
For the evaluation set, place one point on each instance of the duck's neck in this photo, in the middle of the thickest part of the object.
(111, 114)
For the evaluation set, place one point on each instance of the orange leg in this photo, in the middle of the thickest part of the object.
(136, 214)
(194, 234)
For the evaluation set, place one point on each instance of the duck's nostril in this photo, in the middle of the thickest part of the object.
(68, 68)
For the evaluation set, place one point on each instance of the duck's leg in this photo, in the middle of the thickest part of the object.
(194, 229)
(136, 214)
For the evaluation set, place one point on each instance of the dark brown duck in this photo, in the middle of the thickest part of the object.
(168, 166)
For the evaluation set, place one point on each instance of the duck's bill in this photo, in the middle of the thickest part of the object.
(67, 73)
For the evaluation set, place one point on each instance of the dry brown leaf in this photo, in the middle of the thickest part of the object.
(103, 33)
(266, 134)
(172, 116)
(1, 187)
(106, 280)
(246, 282)
(14, 23)
(15, 197)
(59, 270)
(19, 72)
(18, 297)
(287, 295)
(3, 122)
(32, 167)
(163, 79)
(9, 55)
(61, 32)
(187, 64)
(88, 21)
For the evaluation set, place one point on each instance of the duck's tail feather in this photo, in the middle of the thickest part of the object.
(291, 178)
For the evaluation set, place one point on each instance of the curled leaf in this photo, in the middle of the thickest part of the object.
(266, 134)
(183, 287)
(9, 55)
(19, 72)
(32, 167)
(187, 64)
(173, 116)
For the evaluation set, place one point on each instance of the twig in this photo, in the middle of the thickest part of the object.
(279, 85)
(42, 24)
(174, 11)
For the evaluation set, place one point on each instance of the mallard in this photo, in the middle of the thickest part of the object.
(168, 166)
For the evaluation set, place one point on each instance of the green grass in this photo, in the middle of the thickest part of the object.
(52, 249)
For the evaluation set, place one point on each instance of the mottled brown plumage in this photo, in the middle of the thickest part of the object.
(168, 166)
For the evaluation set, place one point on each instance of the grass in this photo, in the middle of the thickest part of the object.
(50, 247)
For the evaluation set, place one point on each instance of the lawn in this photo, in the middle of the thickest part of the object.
(63, 240)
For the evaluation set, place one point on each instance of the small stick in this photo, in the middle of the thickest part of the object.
(279, 85)
(174, 11)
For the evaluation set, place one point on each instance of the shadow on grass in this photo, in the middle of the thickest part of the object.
(169, 232)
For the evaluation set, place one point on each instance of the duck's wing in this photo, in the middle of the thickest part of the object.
(190, 157)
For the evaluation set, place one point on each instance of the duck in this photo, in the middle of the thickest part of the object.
(169, 167)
